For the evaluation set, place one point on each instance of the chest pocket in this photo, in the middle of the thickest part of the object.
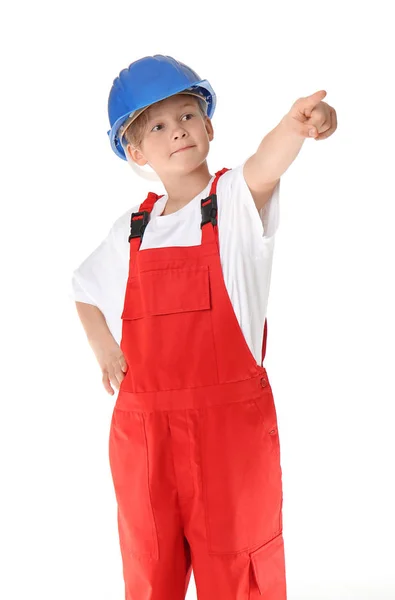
(167, 291)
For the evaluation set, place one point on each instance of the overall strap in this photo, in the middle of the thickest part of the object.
(209, 206)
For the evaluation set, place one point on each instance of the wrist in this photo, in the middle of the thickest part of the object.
(290, 128)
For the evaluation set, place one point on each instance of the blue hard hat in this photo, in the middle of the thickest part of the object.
(147, 81)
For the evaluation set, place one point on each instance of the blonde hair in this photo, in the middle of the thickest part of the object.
(134, 133)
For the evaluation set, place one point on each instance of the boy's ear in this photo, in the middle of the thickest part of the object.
(209, 129)
(136, 155)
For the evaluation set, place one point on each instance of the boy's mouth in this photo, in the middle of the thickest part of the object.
(184, 148)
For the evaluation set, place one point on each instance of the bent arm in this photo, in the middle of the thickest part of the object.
(97, 332)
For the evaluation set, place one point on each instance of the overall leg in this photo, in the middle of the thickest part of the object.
(155, 554)
(233, 521)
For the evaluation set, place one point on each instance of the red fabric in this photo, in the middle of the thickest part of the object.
(194, 447)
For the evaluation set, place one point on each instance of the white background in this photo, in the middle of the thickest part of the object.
(331, 327)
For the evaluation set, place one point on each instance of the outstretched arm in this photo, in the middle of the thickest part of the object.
(308, 117)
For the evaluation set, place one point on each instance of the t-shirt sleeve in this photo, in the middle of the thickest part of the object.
(97, 274)
(269, 216)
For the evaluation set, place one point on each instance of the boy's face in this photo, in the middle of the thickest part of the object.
(174, 123)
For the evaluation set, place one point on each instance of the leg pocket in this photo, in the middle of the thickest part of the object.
(128, 455)
(268, 571)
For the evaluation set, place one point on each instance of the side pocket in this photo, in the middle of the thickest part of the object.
(129, 464)
(268, 567)
(266, 406)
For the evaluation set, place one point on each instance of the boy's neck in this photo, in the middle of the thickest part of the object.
(184, 189)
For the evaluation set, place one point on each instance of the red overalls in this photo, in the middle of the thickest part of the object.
(193, 446)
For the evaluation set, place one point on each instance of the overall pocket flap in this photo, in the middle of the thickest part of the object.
(166, 291)
(268, 564)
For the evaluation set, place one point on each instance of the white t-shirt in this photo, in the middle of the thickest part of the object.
(246, 238)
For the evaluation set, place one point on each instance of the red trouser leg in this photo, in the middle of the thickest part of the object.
(233, 521)
(155, 554)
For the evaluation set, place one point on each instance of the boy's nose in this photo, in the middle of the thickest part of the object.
(177, 135)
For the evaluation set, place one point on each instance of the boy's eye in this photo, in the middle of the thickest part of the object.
(160, 124)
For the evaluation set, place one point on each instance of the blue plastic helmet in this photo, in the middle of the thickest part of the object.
(146, 81)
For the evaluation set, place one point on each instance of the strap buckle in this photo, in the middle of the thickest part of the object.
(138, 223)
(209, 210)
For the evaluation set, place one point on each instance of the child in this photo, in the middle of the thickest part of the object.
(173, 303)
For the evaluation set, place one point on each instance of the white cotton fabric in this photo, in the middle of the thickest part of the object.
(246, 238)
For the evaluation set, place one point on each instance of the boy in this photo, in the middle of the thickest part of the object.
(194, 446)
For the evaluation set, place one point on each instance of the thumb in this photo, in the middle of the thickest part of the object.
(306, 130)
(311, 131)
